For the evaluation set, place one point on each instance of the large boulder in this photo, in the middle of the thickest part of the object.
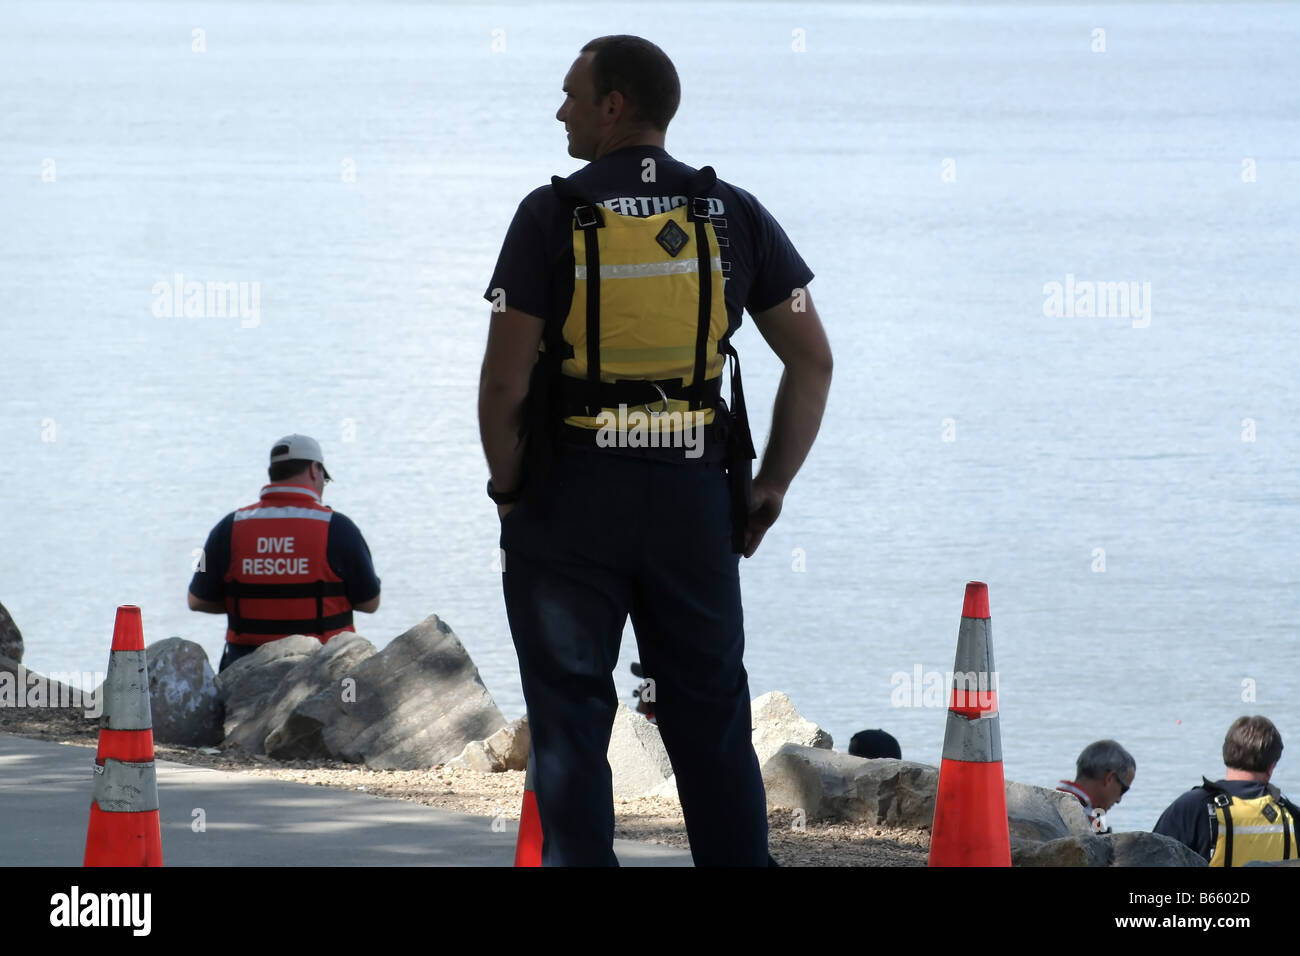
(11, 641)
(1111, 849)
(246, 687)
(183, 695)
(776, 723)
(638, 761)
(1089, 850)
(23, 688)
(1151, 849)
(507, 749)
(1036, 813)
(412, 706)
(828, 785)
(328, 671)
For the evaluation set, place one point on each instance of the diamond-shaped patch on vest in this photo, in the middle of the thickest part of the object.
(672, 237)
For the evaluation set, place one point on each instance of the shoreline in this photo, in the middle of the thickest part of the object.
(645, 819)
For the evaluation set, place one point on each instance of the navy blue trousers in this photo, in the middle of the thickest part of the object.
(610, 537)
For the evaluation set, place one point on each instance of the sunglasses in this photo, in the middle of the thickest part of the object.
(1123, 787)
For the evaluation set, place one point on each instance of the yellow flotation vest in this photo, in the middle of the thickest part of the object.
(647, 335)
(1249, 829)
(646, 332)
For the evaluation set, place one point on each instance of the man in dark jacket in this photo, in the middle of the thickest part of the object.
(1243, 817)
(617, 524)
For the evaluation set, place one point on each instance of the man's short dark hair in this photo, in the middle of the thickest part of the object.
(641, 72)
(284, 470)
(1253, 744)
(874, 744)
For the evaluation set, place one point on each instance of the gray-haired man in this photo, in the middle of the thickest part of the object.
(1104, 772)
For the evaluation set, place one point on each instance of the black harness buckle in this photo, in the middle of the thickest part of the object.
(586, 217)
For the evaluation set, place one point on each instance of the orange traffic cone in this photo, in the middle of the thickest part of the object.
(124, 828)
(970, 809)
(528, 849)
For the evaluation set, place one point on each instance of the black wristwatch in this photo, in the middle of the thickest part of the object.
(502, 497)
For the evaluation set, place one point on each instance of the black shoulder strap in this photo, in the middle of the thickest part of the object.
(587, 218)
(1219, 798)
(698, 212)
(1290, 816)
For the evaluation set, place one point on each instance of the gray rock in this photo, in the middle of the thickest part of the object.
(20, 687)
(325, 671)
(245, 688)
(638, 761)
(1151, 849)
(418, 702)
(828, 785)
(11, 641)
(666, 789)
(476, 756)
(1067, 851)
(1036, 813)
(507, 749)
(1111, 849)
(295, 645)
(183, 695)
(775, 722)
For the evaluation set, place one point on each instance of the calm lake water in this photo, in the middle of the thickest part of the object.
(1126, 484)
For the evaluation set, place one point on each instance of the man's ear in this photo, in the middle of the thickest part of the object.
(617, 103)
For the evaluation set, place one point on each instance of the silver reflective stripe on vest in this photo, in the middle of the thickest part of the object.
(1257, 828)
(125, 694)
(125, 787)
(977, 741)
(644, 269)
(287, 512)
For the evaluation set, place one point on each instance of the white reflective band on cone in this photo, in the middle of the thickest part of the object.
(975, 741)
(125, 693)
(973, 651)
(125, 787)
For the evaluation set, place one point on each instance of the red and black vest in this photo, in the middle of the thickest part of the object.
(279, 581)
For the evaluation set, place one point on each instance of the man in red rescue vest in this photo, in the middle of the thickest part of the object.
(286, 564)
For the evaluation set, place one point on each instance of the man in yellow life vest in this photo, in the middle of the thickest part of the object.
(1243, 817)
(620, 471)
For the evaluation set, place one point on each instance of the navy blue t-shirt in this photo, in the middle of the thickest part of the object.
(760, 265)
(1187, 819)
(345, 550)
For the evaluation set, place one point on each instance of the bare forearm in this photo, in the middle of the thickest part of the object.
(796, 418)
(500, 414)
(207, 607)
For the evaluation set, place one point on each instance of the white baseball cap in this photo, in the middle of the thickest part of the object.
(299, 448)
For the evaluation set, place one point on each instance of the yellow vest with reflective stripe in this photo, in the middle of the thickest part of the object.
(1260, 828)
(649, 307)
